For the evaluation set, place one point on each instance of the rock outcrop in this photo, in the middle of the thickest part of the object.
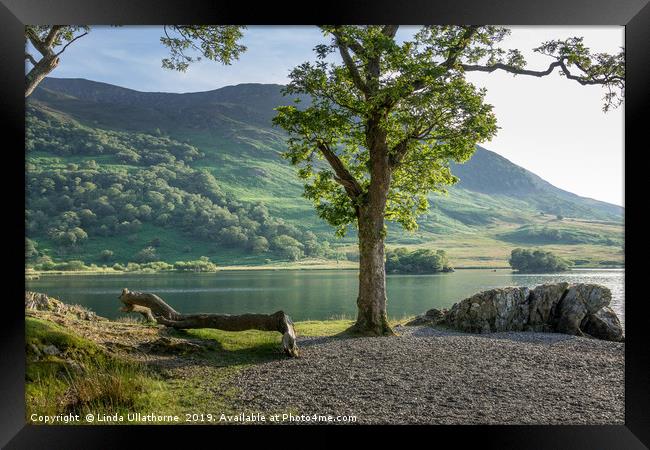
(504, 309)
(431, 317)
(41, 302)
(578, 309)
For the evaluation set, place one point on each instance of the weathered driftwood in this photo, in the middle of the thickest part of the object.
(154, 308)
(146, 312)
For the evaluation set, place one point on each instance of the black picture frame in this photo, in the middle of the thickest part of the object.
(633, 14)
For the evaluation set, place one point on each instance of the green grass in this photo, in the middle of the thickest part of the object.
(560, 233)
(83, 378)
(108, 384)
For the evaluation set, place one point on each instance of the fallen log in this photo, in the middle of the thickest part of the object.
(152, 307)
(146, 312)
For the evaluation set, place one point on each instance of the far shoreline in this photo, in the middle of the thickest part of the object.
(33, 274)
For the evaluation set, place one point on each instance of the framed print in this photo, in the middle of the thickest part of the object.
(415, 219)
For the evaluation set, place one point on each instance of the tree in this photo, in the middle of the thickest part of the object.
(186, 44)
(31, 250)
(259, 244)
(400, 260)
(287, 247)
(106, 255)
(390, 116)
(47, 40)
(527, 261)
(147, 254)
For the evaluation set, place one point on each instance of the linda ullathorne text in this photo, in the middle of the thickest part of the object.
(189, 418)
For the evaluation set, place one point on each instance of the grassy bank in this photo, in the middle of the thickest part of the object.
(69, 374)
(119, 367)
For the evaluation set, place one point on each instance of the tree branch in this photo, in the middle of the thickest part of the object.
(511, 69)
(457, 50)
(398, 151)
(52, 35)
(561, 63)
(30, 58)
(36, 41)
(70, 42)
(343, 175)
(452, 56)
(351, 66)
(390, 30)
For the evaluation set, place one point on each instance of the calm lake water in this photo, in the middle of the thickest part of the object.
(308, 294)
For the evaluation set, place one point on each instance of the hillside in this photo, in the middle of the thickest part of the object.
(200, 174)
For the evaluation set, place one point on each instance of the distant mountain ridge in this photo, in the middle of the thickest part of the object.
(252, 105)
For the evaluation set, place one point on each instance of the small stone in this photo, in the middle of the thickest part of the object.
(51, 350)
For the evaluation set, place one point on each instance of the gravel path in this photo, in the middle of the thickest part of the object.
(432, 376)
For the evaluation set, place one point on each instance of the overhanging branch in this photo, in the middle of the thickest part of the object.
(343, 175)
(561, 63)
(70, 42)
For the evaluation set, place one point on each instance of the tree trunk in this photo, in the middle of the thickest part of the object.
(150, 305)
(42, 68)
(371, 301)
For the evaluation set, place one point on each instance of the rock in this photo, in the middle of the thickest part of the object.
(41, 302)
(512, 309)
(604, 324)
(419, 320)
(435, 314)
(542, 304)
(431, 317)
(570, 309)
(51, 350)
(578, 301)
(504, 309)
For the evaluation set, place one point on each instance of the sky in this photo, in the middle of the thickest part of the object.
(551, 126)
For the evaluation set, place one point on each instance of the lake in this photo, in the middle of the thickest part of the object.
(303, 294)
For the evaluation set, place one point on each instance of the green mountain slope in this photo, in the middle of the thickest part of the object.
(214, 157)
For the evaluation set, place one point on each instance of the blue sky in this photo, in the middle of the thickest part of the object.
(551, 126)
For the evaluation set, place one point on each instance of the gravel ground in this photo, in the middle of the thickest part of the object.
(431, 376)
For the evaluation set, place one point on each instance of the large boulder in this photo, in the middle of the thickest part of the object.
(542, 304)
(501, 309)
(579, 301)
(576, 309)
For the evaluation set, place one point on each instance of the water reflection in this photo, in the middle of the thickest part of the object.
(304, 294)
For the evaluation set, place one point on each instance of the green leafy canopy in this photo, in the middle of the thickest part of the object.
(429, 114)
(407, 106)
